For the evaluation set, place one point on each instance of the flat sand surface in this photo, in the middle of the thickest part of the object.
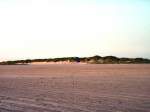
(75, 88)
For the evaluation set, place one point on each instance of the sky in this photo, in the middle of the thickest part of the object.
(61, 28)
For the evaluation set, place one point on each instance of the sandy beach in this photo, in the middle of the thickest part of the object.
(75, 88)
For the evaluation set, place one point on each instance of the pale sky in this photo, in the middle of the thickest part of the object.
(58, 28)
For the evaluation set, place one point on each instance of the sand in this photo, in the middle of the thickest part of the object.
(75, 88)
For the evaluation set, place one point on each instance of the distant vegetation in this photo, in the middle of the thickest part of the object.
(91, 60)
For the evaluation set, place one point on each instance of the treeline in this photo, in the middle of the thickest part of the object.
(91, 60)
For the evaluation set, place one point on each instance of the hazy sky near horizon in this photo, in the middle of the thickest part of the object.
(58, 28)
